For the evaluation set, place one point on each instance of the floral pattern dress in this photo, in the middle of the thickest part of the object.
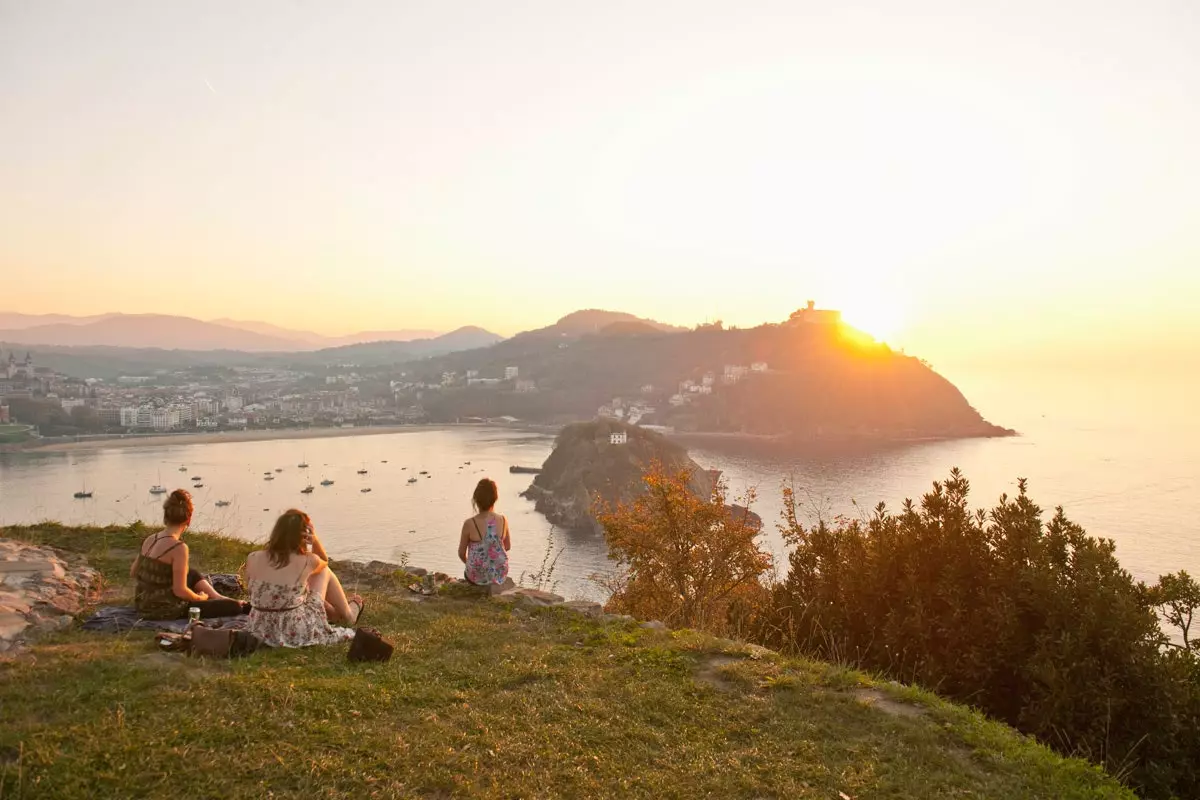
(285, 615)
(487, 560)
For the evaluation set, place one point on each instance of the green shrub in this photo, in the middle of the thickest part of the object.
(1034, 622)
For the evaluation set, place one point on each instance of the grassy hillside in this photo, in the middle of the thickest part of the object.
(484, 699)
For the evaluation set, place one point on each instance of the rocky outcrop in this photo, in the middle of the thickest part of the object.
(586, 466)
(41, 590)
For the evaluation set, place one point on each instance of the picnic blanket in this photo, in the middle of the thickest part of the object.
(118, 619)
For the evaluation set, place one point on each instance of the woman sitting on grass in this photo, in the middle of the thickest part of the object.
(484, 544)
(293, 592)
(166, 586)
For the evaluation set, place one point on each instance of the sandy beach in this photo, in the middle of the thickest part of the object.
(163, 440)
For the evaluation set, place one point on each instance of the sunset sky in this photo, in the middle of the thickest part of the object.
(963, 179)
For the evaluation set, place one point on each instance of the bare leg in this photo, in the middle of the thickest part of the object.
(207, 588)
(327, 586)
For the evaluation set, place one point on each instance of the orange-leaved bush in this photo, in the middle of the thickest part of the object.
(688, 561)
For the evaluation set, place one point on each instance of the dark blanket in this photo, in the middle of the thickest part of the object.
(117, 619)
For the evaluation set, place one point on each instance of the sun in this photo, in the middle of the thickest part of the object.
(882, 318)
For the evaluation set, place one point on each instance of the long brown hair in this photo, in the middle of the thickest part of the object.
(287, 537)
(485, 496)
(177, 508)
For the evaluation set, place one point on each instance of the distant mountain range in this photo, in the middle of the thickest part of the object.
(171, 332)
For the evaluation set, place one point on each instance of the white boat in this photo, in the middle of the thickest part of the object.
(158, 488)
(327, 482)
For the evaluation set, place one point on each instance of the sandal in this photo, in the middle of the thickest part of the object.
(361, 605)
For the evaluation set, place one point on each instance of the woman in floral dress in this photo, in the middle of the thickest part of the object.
(293, 593)
(485, 540)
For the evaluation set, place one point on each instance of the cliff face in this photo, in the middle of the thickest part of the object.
(586, 465)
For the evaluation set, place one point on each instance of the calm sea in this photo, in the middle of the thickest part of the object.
(1119, 470)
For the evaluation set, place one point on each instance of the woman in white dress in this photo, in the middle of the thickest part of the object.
(294, 595)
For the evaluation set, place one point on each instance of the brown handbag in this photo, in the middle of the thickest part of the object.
(222, 642)
(368, 645)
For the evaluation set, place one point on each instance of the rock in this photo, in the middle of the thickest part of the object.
(34, 566)
(419, 572)
(501, 588)
(586, 465)
(382, 567)
(535, 596)
(12, 625)
(655, 625)
(585, 607)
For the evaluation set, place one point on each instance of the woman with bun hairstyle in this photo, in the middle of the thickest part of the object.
(166, 585)
(293, 592)
(485, 541)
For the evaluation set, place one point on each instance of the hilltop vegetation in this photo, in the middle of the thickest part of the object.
(1031, 620)
(821, 382)
(486, 700)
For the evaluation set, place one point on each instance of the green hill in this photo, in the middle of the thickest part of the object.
(812, 382)
(487, 700)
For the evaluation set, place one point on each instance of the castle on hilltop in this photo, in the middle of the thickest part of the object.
(811, 315)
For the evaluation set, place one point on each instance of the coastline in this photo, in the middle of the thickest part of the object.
(264, 435)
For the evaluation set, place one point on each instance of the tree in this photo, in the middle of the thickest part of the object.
(1177, 597)
(685, 559)
(1031, 620)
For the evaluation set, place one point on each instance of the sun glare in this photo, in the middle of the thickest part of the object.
(882, 319)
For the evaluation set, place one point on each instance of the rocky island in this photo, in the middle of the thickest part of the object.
(604, 460)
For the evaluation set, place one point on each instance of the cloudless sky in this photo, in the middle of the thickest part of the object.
(969, 180)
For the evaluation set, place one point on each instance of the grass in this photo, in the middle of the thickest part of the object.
(482, 699)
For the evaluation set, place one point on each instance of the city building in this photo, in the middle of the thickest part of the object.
(620, 437)
(526, 386)
(510, 373)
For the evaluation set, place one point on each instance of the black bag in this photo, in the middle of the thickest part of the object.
(368, 645)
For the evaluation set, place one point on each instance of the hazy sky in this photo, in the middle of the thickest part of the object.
(969, 179)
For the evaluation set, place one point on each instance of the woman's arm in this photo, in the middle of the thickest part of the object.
(506, 539)
(179, 571)
(463, 540)
(318, 548)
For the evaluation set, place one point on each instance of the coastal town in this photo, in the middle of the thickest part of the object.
(38, 402)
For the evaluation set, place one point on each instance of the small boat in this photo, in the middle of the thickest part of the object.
(403, 468)
(307, 489)
(222, 503)
(423, 472)
(525, 470)
(384, 461)
(279, 469)
(362, 472)
(197, 478)
(183, 469)
(365, 490)
(82, 495)
(158, 488)
(197, 485)
(269, 478)
(412, 480)
(468, 463)
(303, 465)
(327, 482)
(267, 472)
